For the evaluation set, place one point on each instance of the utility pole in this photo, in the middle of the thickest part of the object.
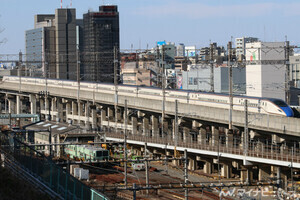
(116, 61)
(212, 84)
(20, 83)
(292, 181)
(186, 195)
(146, 168)
(246, 128)
(219, 172)
(50, 142)
(159, 67)
(163, 90)
(229, 47)
(287, 77)
(125, 142)
(5, 103)
(46, 88)
(19, 70)
(134, 191)
(78, 71)
(176, 128)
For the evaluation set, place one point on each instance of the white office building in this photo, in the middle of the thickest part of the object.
(265, 69)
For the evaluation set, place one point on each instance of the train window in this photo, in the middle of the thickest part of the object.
(279, 103)
(105, 153)
(99, 153)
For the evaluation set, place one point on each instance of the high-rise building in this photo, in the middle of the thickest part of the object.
(101, 35)
(37, 42)
(65, 32)
(51, 45)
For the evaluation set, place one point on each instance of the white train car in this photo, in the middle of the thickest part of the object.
(255, 104)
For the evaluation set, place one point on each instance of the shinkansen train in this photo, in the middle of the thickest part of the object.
(255, 104)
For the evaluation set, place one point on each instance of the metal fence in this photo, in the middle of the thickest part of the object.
(43, 168)
(259, 150)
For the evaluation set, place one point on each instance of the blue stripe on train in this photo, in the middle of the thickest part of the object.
(288, 111)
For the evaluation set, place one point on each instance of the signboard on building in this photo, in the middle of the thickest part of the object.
(190, 51)
(161, 43)
(179, 82)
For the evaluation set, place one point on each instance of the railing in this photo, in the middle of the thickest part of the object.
(43, 168)
(259, 150)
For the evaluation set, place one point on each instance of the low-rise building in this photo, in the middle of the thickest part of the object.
(198, 78)
(45, 132)
(137, 76)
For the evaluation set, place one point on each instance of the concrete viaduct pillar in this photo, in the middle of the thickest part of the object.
(103, 116)
(94, 118)
(226, 169)
(60, 109)
(68, 111)
(32, 99)
(145, 126)
(80, 113)
(74, 110)
(19, 104)
(192, 163)
(214, 136)
(87, 116)
(42, 104)
(264, 172)
(110, 114)
(53, 109)
(202, 136)
(229, 138)
(134, 125)
(246, 174)
(186, 134)
(154, 124)
(208, 167)
(47, 107)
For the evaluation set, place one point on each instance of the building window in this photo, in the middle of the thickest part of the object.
(195, 81)
(191, 81)
(129, 74)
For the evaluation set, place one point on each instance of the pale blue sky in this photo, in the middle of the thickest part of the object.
(192, 22)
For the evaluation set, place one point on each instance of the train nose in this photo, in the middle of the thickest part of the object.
(288, 111)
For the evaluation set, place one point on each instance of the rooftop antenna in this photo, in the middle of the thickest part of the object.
(60, 3)
(71, 4)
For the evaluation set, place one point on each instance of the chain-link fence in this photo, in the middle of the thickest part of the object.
(43, 168)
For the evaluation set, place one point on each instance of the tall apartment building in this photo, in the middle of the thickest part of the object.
(101, 34)
(51, 45)
(219, 53)
(265, 69)
(240, 45)
(180, 50)
(169, 50)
